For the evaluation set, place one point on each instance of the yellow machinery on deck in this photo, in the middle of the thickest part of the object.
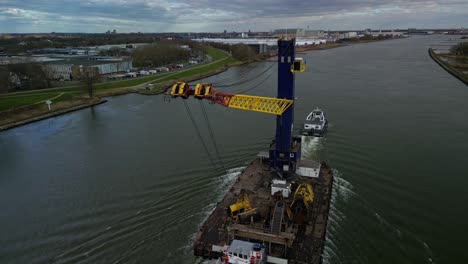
(241, 206)
(305, 193)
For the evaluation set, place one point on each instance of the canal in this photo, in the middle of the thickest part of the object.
(129, 181)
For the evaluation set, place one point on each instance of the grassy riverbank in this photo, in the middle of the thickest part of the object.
(17, 107)
(455, 65)
(20, 99)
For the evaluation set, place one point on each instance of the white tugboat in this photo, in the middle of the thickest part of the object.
(243, 252)
(315, 124)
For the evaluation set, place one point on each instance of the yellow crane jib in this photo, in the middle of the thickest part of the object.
(305, 193)
(262, 104)
(269, 105)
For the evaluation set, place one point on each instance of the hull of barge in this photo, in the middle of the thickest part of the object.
(302, 241)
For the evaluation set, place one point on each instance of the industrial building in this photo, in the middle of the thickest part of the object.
(315, 34)
(68, 51)
(87, 51)
(344, 35)
(259, 48)
(299, 33)
(287, 32)
(384, 33)
(62, 69)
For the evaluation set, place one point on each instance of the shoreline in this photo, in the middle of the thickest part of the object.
(97, 100)
(162, 88)
(446, 66)
(52, 114)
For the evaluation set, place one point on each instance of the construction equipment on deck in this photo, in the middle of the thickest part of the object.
(303, 193)
(241, 206)
(277, 218)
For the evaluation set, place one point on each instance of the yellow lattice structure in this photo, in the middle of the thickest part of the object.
(259, 104)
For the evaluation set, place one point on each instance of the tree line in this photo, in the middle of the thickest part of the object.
(165, 52)
(26, 43)
(24, 76)
(29, 75)
(239, 51)
(460, 49)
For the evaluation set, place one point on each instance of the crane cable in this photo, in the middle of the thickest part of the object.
(269, 75)
(243, 74)
(226, 81)
(257, 85)
(210, 129)
(212, 135)
(187, 108)
(199, 134)
(248, 80)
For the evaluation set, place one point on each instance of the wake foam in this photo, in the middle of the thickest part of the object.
(341, 193)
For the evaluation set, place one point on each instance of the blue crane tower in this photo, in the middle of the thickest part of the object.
(285, 154)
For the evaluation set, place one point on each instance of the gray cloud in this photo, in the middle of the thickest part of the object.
(239, 15)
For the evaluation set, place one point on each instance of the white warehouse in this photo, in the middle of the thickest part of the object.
(62, 70)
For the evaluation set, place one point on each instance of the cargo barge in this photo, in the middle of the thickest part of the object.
(295, 234)
(277, 210)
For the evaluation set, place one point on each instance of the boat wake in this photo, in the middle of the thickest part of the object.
(153, 222)
(227, 179)
(311, 147)
(224, 182)
(341, 193)
(343, 196)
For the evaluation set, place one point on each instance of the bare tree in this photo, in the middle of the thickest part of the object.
(5, 83)
(88, 75)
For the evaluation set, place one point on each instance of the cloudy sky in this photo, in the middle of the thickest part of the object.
(232, 15)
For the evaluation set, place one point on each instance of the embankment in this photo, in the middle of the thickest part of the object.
(38, 111)
(24, 115)
(462, 77)
(162, 87)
